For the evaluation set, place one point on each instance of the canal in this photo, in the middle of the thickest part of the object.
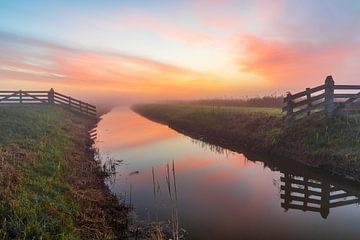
(214, 193)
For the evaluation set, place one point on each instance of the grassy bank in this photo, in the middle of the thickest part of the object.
(328, 143)
(50, 186)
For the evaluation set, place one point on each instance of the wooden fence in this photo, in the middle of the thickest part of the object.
(312, 195)
(324, 98)
(48, 97)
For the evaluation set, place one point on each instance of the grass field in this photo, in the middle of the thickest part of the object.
(241, 124)
(331, 143)
(173, 108)
(44, 158)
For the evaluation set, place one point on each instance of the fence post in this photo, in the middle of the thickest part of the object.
(20, 96)
(51, 96)
(329, 95)
(308, 97)
(289, 109)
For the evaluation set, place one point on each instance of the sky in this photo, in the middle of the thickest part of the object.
(126, 51)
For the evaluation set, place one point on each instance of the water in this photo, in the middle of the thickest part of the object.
(222, 194)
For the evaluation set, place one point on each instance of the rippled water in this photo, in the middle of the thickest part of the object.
(220, 194)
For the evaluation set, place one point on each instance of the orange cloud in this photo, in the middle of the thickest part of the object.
(100, 74)
(292, 62)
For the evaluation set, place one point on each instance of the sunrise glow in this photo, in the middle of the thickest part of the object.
(154, 50)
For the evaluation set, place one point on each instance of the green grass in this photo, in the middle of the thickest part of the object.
(175, 109)
(338, 136)
(39, 206)
(207, 115)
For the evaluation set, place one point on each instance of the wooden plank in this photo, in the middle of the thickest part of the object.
(353, 99)
(9, 91)
(62, 98)
(73, 100)
(76, 109)
(61, 101)
(92, 131)
(6, 95)
(311, 100)
(73, 103)
(344, 203)
(36, 95)
(36, 98)
(300, 199)
(30, 92)
(316, 106)
(298, 190)
(303, 93)
(24, 103)
(91, 109)
(350, 95)
(11, 95)
(72, 108)
(300, 182)
(340, 195)
(347, 87)
(300, 207)
(11, 100)
(62, 95)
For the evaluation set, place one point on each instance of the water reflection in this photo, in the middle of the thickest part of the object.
(306, 194)
(215, 193)
(315, 194)
(312, 191)
(93, 133)
(212, 147)
(128, 130)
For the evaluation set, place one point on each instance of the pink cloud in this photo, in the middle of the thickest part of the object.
(293, 63)
(98, 73)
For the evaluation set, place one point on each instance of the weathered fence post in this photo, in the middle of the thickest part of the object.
(289, 109)
(51, 96)
(20, 96)
(329, 95)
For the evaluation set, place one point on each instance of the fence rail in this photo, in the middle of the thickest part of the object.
(324, 98)
(308, 194)
(48, 97)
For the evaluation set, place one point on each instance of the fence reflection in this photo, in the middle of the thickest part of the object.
(307, 194)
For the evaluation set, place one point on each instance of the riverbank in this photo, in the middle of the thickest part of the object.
(331, 144)
(50, 185)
